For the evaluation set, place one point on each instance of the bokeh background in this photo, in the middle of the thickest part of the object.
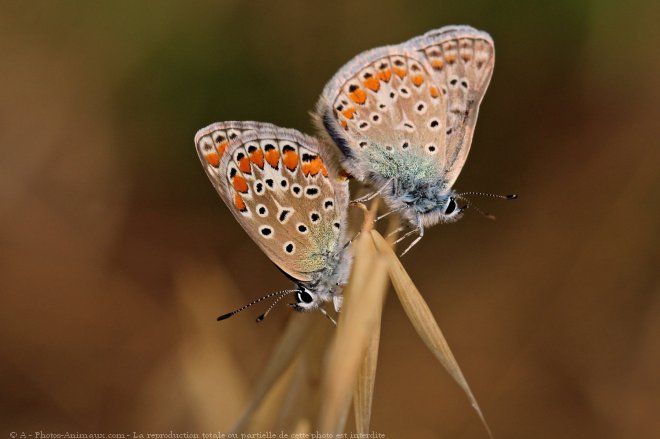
(116, 255)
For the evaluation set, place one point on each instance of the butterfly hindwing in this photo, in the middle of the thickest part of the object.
(281, 188)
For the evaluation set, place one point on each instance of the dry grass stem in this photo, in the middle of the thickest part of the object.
(288, 395)
(266, 415)
(303, 396)
(423, 321)
(366, 379)
(290, 344)
(363, 298)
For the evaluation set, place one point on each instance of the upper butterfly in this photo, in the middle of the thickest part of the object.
(281, 188)
(403, 117)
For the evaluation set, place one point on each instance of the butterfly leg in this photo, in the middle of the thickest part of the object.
(394, 232)
(420, 229)
(350, 241)
(325, 313)
(412, 244)
(404, 236)
(388, 213)
(373, 195)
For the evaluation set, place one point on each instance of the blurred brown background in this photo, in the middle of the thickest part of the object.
(116, 255)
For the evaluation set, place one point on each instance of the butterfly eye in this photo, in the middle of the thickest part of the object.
(451, 206)
(304, 297)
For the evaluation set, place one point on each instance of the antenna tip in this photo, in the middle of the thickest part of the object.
(261, 318)
(225, 316)
(512, 197)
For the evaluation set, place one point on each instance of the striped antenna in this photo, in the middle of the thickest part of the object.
(281, 293)
(471, 205)
(263, 316)
(483, 194)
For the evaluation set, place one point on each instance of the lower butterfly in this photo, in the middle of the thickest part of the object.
(281, 187)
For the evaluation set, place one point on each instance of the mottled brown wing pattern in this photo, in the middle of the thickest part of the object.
(277, 185)
(393, 103)
(462, 63)
(422, 95)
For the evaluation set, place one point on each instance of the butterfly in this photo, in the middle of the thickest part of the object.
(403, 117)
(282, 188)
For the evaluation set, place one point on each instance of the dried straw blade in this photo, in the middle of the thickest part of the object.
(302, 399)
(290, 343)
(364, 388)
(366, 379)
(361, 311)
(422, 319)
(269, 409)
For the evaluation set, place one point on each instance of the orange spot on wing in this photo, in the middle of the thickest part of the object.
(437, 64)
(222, 147)
(257, 157)
(239, 203)
(244, 165)
(418, 80)
(239, 184)
(290, 160)
(466, 57)
(399, 72)
(450, 58)
(273, 158)
(313, 167)
(372, 83)
(344, 125)
(385, 75)
(358, 96)
(434, 92)
(324, 171)
(348, 113)
(213, 159)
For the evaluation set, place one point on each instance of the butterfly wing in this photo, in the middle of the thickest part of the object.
(281, 188)
(421, 97)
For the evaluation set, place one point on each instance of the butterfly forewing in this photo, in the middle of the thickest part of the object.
(462, 60)
(279, 186)
(420, 97)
